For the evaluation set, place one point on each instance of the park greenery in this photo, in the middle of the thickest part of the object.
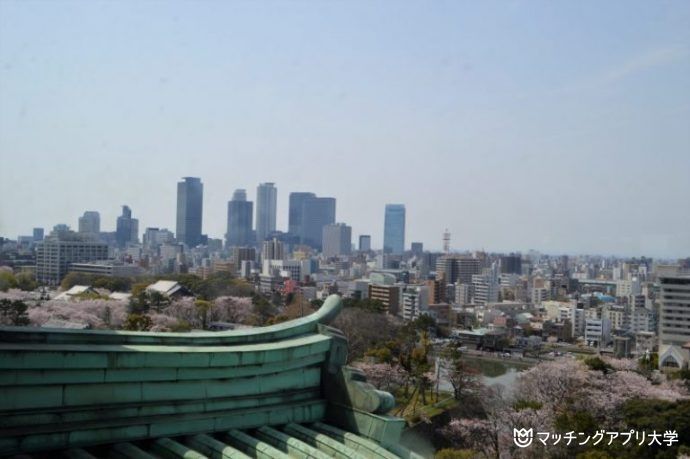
(567, 395)
(13, 312)
(22, 281)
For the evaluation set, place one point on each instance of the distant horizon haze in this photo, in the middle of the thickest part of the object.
(557, 126)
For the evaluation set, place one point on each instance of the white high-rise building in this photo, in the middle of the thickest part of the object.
(272, 250)
(485, 289)
(337, 240)
(415, 301)
(266, 209)
(90, 223)
(674, 321)
(60, 249)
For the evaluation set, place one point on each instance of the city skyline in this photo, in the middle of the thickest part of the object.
(561, 128)
(428, 245)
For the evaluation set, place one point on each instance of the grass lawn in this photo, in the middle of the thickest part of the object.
(413, 410)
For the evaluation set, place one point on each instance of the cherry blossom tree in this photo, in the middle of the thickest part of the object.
(223, 309)
(553, 382)
(95, 313)
(552, 394)
(162, 323)
(383, 376)
(233, 309)
(472, 434)
(14, 294)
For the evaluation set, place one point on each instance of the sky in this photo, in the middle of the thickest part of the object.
(558, 126)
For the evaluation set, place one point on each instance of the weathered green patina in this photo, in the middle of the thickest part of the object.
(276, 391)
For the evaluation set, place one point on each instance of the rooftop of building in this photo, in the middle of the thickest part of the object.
(277, 391)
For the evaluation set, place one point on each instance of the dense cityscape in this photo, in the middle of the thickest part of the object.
(472, 308)
(357, 230)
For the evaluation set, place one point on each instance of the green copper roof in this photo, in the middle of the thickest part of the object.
(275, 391)
(317, 441)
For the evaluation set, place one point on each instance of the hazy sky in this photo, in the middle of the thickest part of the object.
(562, 126)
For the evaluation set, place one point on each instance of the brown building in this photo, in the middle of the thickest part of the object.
(437, 291)
(389, 295)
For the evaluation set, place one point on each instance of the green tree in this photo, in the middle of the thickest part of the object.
(316, 303)
(462, 376)
(203, 306)
(139, 301)
(137, 322)
(73, 278)
(262, 308)
(7, 281)
(596, 364)
(659, 415)
(13, 312)
(181, 326)
(26, 281)
(114, 284)
(157, 300)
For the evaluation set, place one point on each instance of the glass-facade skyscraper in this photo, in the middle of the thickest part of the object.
(394, 229)
(295, 215)
(316, 213)
(266, 209)
(240, 215)
(127, 228)
(90, 223)
(190, 199)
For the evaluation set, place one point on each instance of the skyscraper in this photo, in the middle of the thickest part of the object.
(316, 213)
(240, 213)
(266, 208)
(295, 215)
(674, 320)
(38, 234)
(511, 264)
(127, 229)
(190, 199)
(394, 229)
(90, 223)
(417, 248)
(337, 240)
(364, 243)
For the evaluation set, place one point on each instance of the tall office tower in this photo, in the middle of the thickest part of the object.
(417, 248)
(190, 202)
(266, 207)
(127, 229)
(60, 249)
(674, 321)
(272, 250)
(38, 234)
(295, 216)
(240, 213)
(337, 240)
(511, 264)
(364, 243)
(90, 223)
(394, 229)
(316, 213)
